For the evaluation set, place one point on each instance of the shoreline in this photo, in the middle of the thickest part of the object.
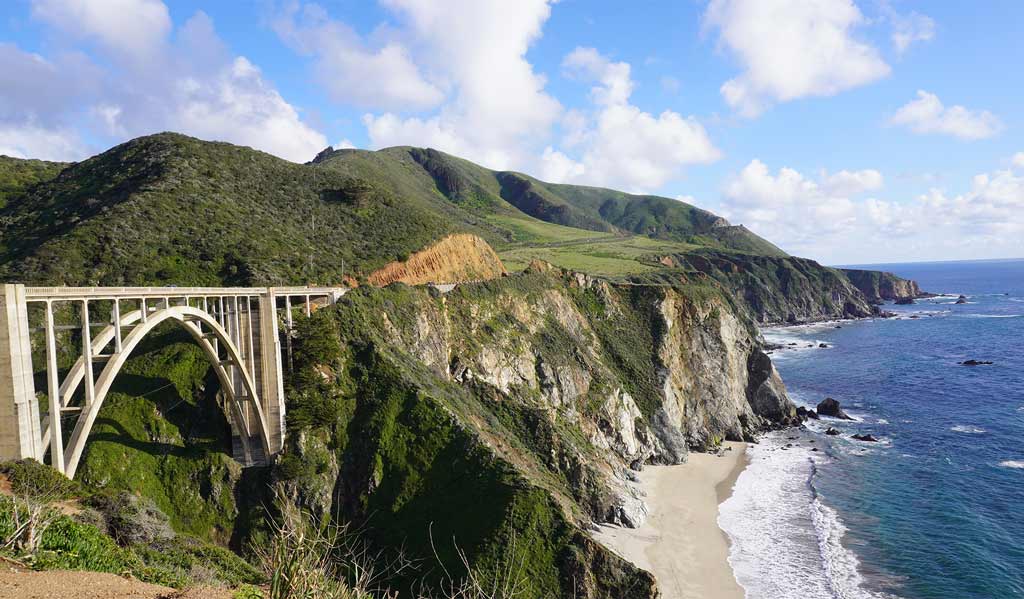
(681, 542)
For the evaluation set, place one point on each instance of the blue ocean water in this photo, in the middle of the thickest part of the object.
(936, 508)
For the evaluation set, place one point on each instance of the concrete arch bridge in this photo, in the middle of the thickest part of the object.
(236, 327)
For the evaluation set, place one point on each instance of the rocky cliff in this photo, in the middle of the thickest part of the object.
(878, 286)
(775, 290)
(507, 416)
(454, 259)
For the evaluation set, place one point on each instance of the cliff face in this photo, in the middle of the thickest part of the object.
(777, 290)
(878, 286)
(517, 408)
(455, 258)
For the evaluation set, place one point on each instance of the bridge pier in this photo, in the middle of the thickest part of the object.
(20, 434)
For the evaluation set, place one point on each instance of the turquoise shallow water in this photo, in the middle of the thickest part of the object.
(936, 510)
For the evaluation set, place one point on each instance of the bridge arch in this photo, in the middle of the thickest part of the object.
(191, 319)
(241, 343)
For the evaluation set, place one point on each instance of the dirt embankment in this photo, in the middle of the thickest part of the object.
(456, 258)
(65, 584)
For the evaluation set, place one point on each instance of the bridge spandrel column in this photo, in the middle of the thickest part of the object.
(271, 383)
(20, 430)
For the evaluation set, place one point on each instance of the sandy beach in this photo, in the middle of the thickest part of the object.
(681, 543)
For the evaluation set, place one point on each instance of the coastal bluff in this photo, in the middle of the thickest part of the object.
(878, 286)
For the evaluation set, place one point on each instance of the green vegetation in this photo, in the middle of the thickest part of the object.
(162, 434)
(606, 256)
(118, 533)
(16, 175)
(412, 452)
(172, 209)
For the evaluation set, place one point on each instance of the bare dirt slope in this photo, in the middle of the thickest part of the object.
(16, 583)
(454, 259)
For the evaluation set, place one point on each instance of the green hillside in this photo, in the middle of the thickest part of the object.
(173, 209)
(502, 199)
(17, 175)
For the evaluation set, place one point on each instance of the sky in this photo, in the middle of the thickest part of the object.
(848, 131)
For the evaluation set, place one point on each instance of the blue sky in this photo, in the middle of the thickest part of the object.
(844, 130)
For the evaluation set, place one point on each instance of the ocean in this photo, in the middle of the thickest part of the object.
(935, 509)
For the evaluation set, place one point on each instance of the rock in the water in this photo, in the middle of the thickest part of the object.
(903, 301)
(868, 438)
(803, 413)
(830, 407)
(831, 431)
(961, 300)
(975, 363)
(823, 345)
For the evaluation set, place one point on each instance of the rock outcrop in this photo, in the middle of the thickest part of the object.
(781, 290)
(878, 286)
(831, 407)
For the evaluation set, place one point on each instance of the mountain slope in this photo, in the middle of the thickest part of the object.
(17, 175)
(505, 193)
(170, 209)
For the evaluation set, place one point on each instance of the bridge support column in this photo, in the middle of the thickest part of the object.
(20, 431)
(271, 384)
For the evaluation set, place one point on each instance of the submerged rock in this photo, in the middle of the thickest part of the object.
(975, 363)
(832, 432)
(830, 407)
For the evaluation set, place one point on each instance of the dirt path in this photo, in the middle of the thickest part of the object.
(65, 584)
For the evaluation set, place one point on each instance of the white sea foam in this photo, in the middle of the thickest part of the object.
(990, 315)
(785, 542)
(964, 428)
(1012, 464)
(883, 421)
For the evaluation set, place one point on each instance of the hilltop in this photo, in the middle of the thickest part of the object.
(170, 209)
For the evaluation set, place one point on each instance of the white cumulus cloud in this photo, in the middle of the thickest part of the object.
(910, 28)
(792, 49)
(496, 109)
(380, 75)
(927, 114)
(847, 182)
(622, 145)
(836, 223)
(127, 27)
(132, 73)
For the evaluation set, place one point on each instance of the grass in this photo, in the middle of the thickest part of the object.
(528, 231)
(605, 255)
